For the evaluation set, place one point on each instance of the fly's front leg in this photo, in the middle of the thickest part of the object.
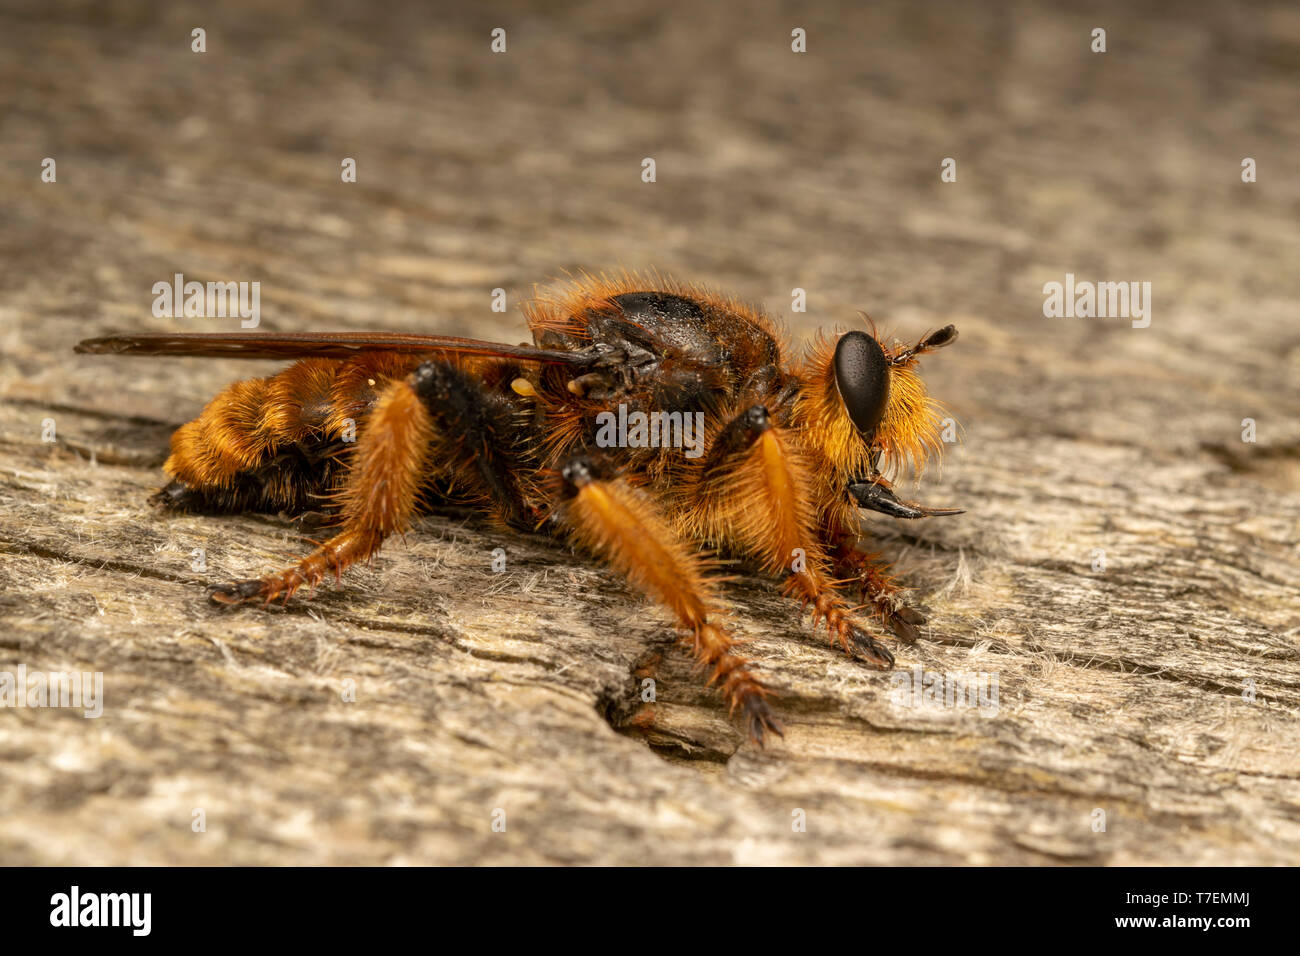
(752, 493)
(878, 590)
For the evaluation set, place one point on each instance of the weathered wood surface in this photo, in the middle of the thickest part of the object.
(1120, 690)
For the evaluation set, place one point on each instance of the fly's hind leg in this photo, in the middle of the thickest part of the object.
(436, 422)
(378, 498)
(623, 526)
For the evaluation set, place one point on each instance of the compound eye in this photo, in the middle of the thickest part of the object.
(862, 378)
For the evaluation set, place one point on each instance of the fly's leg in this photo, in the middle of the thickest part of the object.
(435, 422)
(754, 492)
(378, 498)
(869, 574)
(623, 526)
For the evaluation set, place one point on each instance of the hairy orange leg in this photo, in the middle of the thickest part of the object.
(378, 498)
(622, 525)
(756, 494)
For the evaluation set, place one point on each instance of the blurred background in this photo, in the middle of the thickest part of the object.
(775, 170)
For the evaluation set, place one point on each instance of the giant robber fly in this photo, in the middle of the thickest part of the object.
(369, 428)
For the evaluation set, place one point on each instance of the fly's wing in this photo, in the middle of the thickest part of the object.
(293, 345)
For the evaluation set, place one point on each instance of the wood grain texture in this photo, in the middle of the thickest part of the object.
(1119, 690)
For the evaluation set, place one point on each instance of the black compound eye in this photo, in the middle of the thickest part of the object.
(862, 377)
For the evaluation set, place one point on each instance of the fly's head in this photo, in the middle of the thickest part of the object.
(865, 407)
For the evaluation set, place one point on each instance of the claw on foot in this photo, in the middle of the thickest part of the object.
(760, 720)
(903, 622)
(875, 653)
(237, 592)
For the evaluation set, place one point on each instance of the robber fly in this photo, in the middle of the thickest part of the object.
(790, 451)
